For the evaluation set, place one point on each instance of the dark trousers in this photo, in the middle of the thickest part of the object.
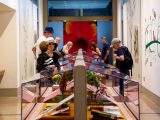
(121, 82)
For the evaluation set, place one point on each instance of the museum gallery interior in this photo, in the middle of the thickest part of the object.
(79, 59)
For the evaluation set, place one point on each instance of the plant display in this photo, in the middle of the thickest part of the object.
(56, 78)
(93, 78)
(100, 92)
(68, 76)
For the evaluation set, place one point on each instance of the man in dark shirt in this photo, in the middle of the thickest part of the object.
(120, 64)
(119, 55)
(105, 50)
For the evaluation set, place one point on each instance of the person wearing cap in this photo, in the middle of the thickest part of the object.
(105, 50)
(48, 35)
(119, 55)
(57, 40)
(53, 53)
(51, 47)
(120, 61)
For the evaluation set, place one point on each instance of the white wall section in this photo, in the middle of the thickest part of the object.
(150, 24)
(8, 43)
(132, 38)
(28, 36)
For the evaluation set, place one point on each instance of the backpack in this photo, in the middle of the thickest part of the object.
(128, 61)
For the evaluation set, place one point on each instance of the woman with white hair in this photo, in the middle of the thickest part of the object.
(66, 48)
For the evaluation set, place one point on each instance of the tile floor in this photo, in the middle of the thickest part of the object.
(150, 107)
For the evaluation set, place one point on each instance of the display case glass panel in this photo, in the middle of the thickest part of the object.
(109, 93)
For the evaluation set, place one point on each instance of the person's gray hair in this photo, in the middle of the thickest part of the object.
(69, 43)
(115, 40)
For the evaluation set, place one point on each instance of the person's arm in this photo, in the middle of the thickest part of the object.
(120, 55)
(69, 48)
(57, 52)
(34, 50)
(120, 58)
(35, 45)
(40, 64)
(65, 49)
(107, 52)
(98, 51)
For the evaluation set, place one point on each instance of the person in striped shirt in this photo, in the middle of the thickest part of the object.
(44, 60)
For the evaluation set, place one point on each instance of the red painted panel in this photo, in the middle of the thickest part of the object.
(81, 34)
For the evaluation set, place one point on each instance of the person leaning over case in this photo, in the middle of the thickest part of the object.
(66, 48)
(119, 54)
(52, 52)
(119, 58)
(96, 49)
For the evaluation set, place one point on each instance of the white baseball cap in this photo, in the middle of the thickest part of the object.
(50, 39)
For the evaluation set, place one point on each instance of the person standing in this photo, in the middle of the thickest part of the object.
(48, 34)
(96, 50)
(57, 40)
(44, 60)
(53, 53)
(120, 56)
(66, 48)
(105, 50)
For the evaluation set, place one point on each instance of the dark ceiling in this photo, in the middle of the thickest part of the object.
(80, 7)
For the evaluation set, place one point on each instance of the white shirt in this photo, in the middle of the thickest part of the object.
(41, 39)
(38, 51)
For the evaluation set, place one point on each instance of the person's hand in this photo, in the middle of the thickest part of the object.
(56, 51)
(34, 50)
(57, 40)
(93, 52)
(115, 56)
(114, 63)
(105, 58)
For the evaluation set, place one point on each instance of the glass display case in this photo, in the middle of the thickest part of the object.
(82, 82)
(125, 90)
